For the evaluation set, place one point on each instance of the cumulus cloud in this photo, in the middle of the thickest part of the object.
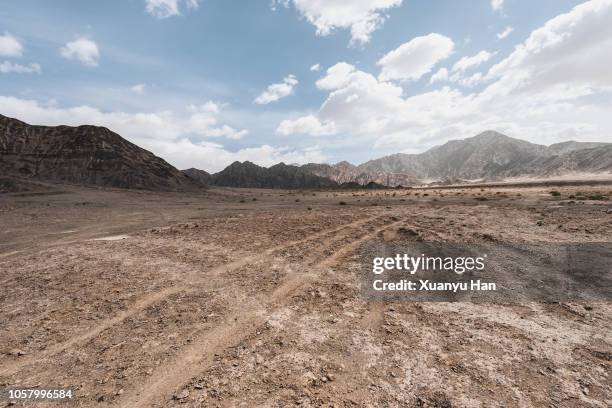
(277, 91)
(497, 5)
(507, 31)
(415, 58)
(82, 49)
(169, 8)
(10, 46)
(555, 85)
(309, 124)
(315, 67)
(196, 120)
(138, 89)
(8, 67)
(175, 136)
(440, 76)
(466, 63)
(362, 17)
(213, 157)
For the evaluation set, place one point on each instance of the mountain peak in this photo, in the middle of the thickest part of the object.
(344, 164)
(491, 134)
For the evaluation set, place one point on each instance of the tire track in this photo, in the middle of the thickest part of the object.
(158, 296)
(198, 356)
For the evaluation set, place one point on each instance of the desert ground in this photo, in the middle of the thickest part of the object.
(241, 298)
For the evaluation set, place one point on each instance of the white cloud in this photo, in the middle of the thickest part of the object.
(441, 75)
(169, 8)
(556, 85)
(415, 58)
(571, 50)
(138, 89)
(10, 46)
(507, 31)
(315, 68)
(202, 120)
(305, 125)
(497, 5)
(275, 92)
(466, 63)
(83, 50)
(7, 67)
(213, 157)
(362, 17)
(168, 134)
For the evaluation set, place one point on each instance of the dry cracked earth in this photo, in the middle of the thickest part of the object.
(241, 298)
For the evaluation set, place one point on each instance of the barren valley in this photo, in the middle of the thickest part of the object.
(250, 297)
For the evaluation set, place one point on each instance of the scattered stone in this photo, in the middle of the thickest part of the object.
(181, 395)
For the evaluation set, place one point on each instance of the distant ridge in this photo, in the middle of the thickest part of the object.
(491, 155)
(92, 155)
(88, 155)
(488, 156)
(247, 174)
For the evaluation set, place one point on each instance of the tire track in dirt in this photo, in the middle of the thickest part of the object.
(158, 296)
(199, 355)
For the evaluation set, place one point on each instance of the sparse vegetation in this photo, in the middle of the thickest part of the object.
(597, 197)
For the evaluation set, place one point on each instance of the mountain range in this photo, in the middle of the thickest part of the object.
(491, 155)
(94, 155)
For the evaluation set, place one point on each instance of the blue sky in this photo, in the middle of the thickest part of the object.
(189, 79)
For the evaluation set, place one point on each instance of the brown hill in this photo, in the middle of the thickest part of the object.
(88, 155)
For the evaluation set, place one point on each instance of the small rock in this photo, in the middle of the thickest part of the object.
(181, 395)
(119, 392)
(585, 390)
(198, 386)
(17, 353)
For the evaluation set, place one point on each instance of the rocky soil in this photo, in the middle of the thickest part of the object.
(250, 297)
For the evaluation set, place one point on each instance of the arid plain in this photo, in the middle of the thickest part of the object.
(244, 297)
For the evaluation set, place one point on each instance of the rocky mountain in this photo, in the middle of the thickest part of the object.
(593, 160)
(247, 174)
(492, 155)
(88, 155)
(345, 172)
(489, 155)
(570, 146)
(199, 176)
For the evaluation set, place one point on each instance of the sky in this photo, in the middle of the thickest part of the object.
(203, 83)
